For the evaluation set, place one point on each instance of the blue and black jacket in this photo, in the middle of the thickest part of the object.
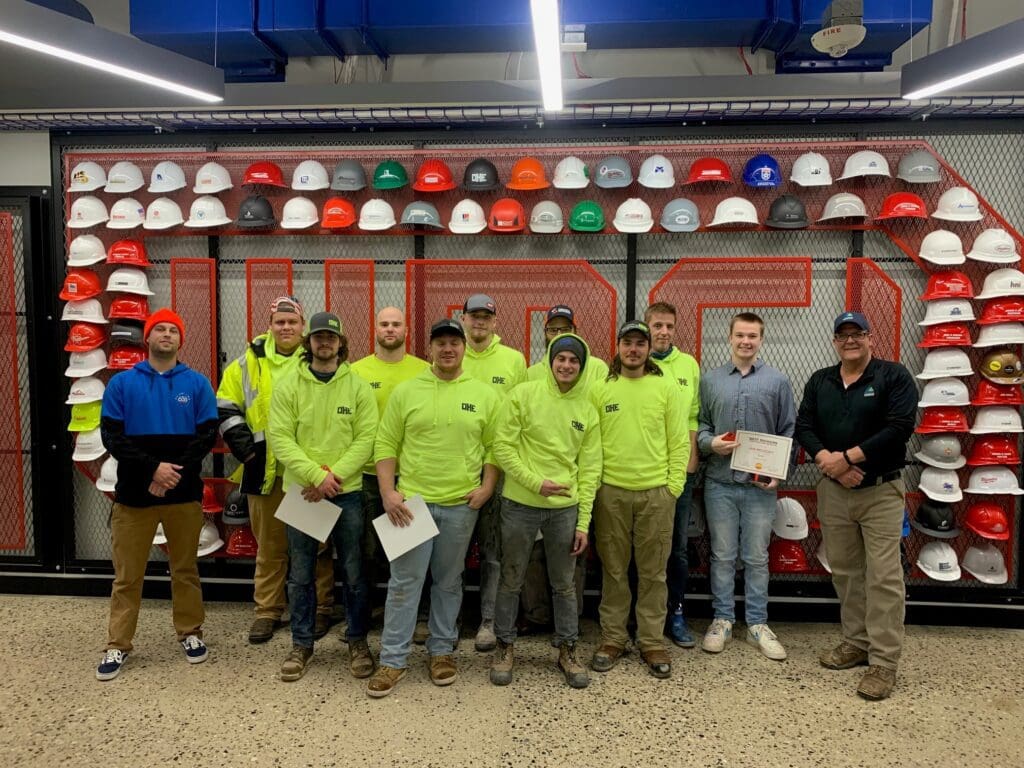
(150, 417)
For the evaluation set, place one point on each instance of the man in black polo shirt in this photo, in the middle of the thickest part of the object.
(855, 420)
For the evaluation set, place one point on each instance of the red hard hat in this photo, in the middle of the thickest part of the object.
(83, 337)
(708, 169)
(989, 393)
(129, 308)
(992, 450)
(265, 173)
(241, 543)
(948, 285)
(946, 335)
(130, 253)
(339, 213)
(507, 215)
(786, 556)
(988, 519)
(123, 358)
(211, 504)
(1008, 309)
(81, 284)
(903, 205)
(433, 176)
(942, 418)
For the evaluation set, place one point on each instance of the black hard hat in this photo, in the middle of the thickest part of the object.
(236, 508)
(480, 175)
(125, 334)
(936, 518)
(255, 212)
(787, 212)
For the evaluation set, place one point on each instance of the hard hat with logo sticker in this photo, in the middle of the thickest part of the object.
(209, 540)
(480, 176)
(1000, 334)
(123, 358)
(207, 211)
(938, 561)
(87, 311)
(945, 362)
(948, 285)
(936, 519)
(242, 543)
(996, 419)
(124, 177)
(997, 394)
(264, 173)
(85, 363)
(985, 563)
(338, 213)
(129, 308)
(126, 213)
(107, 481)
(707, 169)
(80, 283)
(84, 336)
(87, 177)
(958, 204)
(163, 213)
(87, 389)
(786, 556)
(433, 175)
(988, 519)
(680, 215)
(571, 173)
(940, 484)
(866, 162)
(85, 250)
(762, 171)
(944, 391)
(994, 481)
(467, 218)
(947, 311)
(507, 215)
(1002, 282)
(790, 519)
(546, 218)
(299, 213)
(994, 450)
(310, 175)
(128, 253)
(613, 172)
(994, 246)
(125, 334)
(787, 212)
(348, 176)
(946, 335)
(941, 418)
(88, 446)
(1002, 366)
(527, 174)
(811, 170)
(129, 280)
(843, 205)
(376, 215)
(255, 212)
(918, 167)
(586, 216)
(942, 451)
(87, 211)
(942, 247)
(423, 214)
(633, 215)
(166, 176)
(734, 210)
(236, 508)
(85, 417)
(656, 172)
(212, 178)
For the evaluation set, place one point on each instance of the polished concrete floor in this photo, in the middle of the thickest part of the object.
(959, 703)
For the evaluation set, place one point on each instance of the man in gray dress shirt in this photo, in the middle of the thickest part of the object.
(744, 394)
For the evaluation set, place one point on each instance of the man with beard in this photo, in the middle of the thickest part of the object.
(646, 448)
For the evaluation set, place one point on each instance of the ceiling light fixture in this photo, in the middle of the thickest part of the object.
(547, 39)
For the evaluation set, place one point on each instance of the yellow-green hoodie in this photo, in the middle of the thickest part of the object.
(315, 424)
(499, 367)
(595, 370)
(441, 434)
(543, 434)
(685, 370)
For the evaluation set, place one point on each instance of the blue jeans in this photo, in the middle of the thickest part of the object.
(740, 521)
(678, 562)
(445, 557)
(302, 551)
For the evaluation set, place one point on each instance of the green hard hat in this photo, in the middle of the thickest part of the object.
(390, 175)
(586, 217)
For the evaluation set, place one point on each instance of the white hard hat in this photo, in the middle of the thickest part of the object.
(991, 481)
(867, 162)
(942, 247)
(546, 218)
(958, 204)
(207, 211)
(159, 537)
(87, 177)
(811, 170)
(944, 391)
(209, 539)
(822, 557)
(656, 172)
(87, 311)
(300, 213)
(946, 362)
(129, 280)
(88, 389)
(995, 246)
(1002, 282)
(107, 480)
(87, 212)
(790, 519)
(571, 173)
(163, 213)
(88, 446)
(1000, 334)
(634, 215)
(947, 311)
(85, 250)
(996, 419)
(985, 563)
(376, 215)
(126, 213)
(85, 363)
(940, 484)
(467, 218)
(124, 177)
(212, 177)
(844, 205)
(938, 561)
(734, 210)
(310, 174)
(166, 177)
(942, 451)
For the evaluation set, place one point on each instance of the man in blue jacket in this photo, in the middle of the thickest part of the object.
(159, 420)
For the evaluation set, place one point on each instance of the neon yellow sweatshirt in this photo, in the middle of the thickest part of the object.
(441, 434)
(686, 371)
(543, 434)
(498, 366)
(643, 432)
(383, 377)
(313, 423)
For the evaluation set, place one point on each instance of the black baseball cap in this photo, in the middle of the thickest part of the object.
(560, 311)
(447, 327)
(635, 326)
(325, 321)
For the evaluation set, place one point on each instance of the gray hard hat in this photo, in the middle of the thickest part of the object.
(919, 167)
(613, 172)
(418, 212)
(348, 176)
(680, 215)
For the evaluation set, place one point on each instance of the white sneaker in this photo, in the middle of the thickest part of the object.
(762, 638)
(714, 639)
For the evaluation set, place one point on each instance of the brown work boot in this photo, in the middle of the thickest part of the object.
(383, 681)
(658, 662)
(360, 660)
(321, 625)
(501, 666)
(261, 630)
(843, 656)
(421, 633)
(443, 670)
(877, 683)
(295, 664)
(606, 657)
(575, 673)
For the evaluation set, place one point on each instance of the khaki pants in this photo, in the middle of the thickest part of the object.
(272, 559)
(132, 530)
(861, 529)
(628, 523)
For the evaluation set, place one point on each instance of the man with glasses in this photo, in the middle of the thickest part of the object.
(561, 319)
(855, 420)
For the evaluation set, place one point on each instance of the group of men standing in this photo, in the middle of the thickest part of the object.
(515, 455)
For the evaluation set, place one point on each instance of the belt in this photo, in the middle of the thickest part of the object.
(879, 480)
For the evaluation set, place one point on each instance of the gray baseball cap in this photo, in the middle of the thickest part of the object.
(480, 302)
(325, 321)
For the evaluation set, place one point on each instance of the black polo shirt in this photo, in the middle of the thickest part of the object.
(876, 412)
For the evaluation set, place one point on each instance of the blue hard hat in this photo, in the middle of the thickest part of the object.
(762, 171)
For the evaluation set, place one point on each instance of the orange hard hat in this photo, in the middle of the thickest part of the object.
(507, 215)
(528, 173)
(338, 213)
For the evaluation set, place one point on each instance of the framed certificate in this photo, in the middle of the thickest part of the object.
(762, 454)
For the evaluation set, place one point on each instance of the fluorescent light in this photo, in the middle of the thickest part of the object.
(105, 66)
(968, 77)
(546, 26)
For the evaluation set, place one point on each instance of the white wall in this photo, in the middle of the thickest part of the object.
(25, 158)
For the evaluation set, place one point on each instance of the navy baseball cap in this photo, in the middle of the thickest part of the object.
(560, 311)
(851, 317)
(447, 327)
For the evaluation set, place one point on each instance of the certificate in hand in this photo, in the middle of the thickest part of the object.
(762, 454)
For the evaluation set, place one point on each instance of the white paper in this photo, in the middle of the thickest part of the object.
(396, 540)
(313, 518)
